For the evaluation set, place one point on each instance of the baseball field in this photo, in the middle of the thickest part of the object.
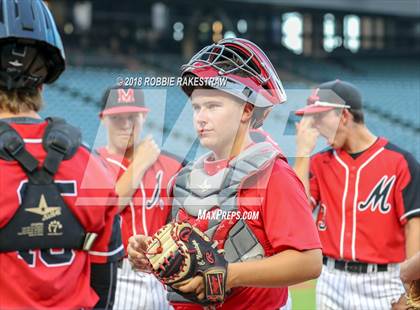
(303, 296)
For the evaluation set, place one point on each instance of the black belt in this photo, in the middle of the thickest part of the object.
(355, 267)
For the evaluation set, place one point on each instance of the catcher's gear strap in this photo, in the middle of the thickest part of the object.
(61, 141)
(12, 147)
(43, 220)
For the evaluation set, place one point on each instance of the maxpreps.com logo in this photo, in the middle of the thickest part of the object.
(378, 197)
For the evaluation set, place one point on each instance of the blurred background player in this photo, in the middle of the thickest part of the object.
(367, 192)
(141, 173)
(55, 242)
(269, 252)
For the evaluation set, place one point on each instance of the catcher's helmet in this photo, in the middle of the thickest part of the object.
(249, 73)
(31, 50)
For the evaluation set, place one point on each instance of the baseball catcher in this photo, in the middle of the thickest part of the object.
(236, 176)
(179, 251)
(55, 251)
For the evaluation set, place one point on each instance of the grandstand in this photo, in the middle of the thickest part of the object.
(392, 105)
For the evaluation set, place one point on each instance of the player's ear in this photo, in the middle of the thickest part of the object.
(346, 116)
(143, 116)
(104, 120)
(266, 112)
(247, 112)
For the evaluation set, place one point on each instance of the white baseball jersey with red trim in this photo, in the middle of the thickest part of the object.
(145, 214)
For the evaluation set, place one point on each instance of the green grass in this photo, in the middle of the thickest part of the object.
(303, 296)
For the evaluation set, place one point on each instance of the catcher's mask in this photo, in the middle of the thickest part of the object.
(249, 74)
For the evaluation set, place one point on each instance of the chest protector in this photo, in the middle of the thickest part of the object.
(43, 220)
(196, 192)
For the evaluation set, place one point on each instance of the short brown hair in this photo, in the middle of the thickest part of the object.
(358, 116)
(21, 100)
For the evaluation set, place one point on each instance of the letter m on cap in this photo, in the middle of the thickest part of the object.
(126, 96)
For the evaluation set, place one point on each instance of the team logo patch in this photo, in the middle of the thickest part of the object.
(54, 228)
(205, 186)
(126, 96)
(200, 260)
(155, 199)
(378, 197)
(44, 210)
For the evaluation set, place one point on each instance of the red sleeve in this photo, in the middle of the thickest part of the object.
(287, 216)
(313, 185)
(108, 247)
(99, 202)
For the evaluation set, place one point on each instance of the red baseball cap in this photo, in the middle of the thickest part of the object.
(117, 100)
(332, 95)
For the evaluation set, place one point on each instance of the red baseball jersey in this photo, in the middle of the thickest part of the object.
(149, 209)
(284, 222)
(57, 278)
(365, 201)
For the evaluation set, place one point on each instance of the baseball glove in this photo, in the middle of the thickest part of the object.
(410, 300)
(413, 295)
(401, 304)
(178, 252)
